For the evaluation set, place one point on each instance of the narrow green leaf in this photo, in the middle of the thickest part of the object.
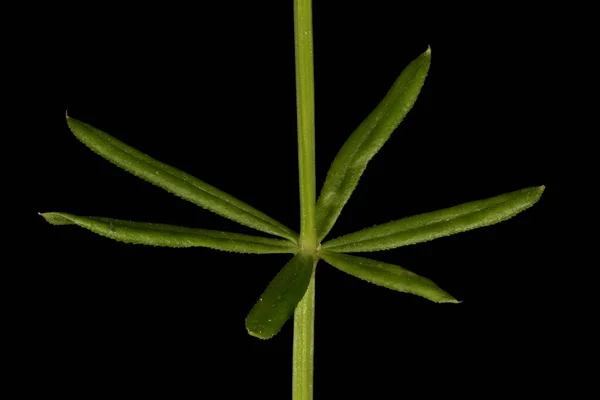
(277, 303)
(429, 226)
(365, 142)
(387, 275)
(175, 181)
(172, 236)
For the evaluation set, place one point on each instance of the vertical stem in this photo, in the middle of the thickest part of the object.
(304, 315)
(304, 333)
(305, 100)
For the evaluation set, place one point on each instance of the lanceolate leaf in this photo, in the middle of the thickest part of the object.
(387, 275)
(425, 227)
(365, 142)
(278, 302)
(176, 181)
(172, 236)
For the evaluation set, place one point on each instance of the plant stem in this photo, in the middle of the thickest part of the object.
(305, 100)
(304, 333)
(304, 315)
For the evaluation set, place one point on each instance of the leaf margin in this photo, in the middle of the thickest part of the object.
(394, 234)
(386, 275)
(367, 139)
(202, 193)
(261, 322)
(180, 237)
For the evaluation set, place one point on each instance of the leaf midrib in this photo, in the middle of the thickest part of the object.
(425, 225)
(185, 180)
(126, 224)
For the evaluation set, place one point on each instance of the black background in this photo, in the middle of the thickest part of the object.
(211, 91)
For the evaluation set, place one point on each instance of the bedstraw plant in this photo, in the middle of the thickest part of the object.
(292, 290)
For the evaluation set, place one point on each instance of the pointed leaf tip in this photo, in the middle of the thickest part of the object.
(437, 224)
(175, 181)
(366, 140)
(55, 218)
(154, 234)
(388, 275)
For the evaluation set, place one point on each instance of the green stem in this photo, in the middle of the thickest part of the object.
(305, 100)
(302, 382)
(304, 333)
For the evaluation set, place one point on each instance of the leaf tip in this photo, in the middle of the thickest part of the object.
(536, 193)
(428, 51)
(447, 298)
(257, 333)
(55, 218)
(70, 121)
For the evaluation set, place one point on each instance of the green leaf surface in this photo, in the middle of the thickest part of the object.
(429, 226)
(277, 303)
(172, 236)
(365, 142)
(176, 181)
(387, 275)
